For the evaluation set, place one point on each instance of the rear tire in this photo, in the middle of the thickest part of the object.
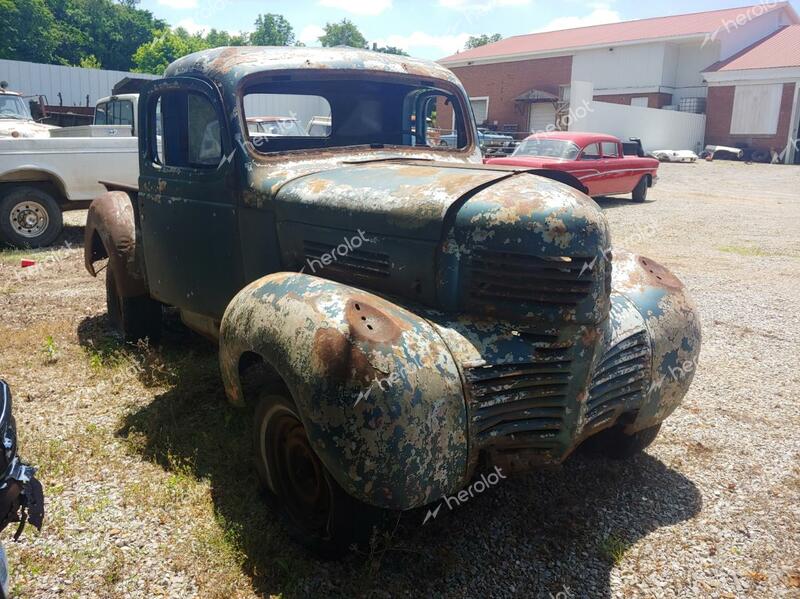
(318, 513)
(29, 217)
(136, 318)
(640, 191)
(616, 444)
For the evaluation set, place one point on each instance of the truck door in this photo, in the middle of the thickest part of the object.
(187, 196)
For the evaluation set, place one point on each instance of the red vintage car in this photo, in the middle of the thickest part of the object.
(596, 161)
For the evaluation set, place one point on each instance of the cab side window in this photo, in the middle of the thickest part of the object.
(188, 131)
(610, 149)
(591, 152)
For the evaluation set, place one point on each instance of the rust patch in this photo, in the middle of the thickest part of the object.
(658, 275)
(368, 323)
(591, 336)
(336, 358)
(318, 186)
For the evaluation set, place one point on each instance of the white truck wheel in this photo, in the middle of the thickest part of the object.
(29, 217)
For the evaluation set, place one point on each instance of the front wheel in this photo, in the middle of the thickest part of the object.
(29, 217)
(640, 191)
(319, 514)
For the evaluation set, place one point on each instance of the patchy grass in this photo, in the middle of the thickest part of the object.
(50, 351)
(612, 548)
(753, 251)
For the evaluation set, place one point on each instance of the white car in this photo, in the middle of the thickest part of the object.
(675, 155)
(41, 178)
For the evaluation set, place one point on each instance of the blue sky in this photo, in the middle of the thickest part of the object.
(425, 28)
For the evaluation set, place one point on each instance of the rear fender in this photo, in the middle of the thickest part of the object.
(562, 177)
(377, 390)
(111, 233)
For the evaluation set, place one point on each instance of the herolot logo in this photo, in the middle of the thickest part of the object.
(478, 486)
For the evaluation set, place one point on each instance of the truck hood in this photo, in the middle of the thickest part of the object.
(23, 129)
(400, 199)
(436, 231)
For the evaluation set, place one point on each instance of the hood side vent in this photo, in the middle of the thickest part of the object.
(353, 264)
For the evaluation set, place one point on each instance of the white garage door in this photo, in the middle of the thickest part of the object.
(543, 116)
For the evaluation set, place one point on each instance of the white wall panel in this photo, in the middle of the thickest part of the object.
(626, 67)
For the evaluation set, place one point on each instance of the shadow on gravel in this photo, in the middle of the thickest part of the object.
(607, 202)
(552, 533)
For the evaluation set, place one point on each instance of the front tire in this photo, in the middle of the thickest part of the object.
(318, 513)
(640, 191)
(30, 217)
(136, 318)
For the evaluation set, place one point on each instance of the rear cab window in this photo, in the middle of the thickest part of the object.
(346, 110)
(114, 112)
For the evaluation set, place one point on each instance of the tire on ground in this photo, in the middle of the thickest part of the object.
(136, 318)
(30, 217)
(640, 191)
(318, 513)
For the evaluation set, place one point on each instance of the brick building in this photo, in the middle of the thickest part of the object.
(729, 63)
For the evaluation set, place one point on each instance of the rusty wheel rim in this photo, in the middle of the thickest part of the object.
(297, 473)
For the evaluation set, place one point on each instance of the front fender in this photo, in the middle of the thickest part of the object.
(111, 233)
(378, 392)
(673, 326)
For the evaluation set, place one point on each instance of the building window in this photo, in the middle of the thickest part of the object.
(480, 108)
(641, 101)
(756, 109)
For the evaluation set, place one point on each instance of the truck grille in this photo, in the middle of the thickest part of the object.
(523, 404)
(509, 277)
(620, 378)
(354, 264)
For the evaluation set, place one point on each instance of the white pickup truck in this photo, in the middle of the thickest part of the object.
(41, 178)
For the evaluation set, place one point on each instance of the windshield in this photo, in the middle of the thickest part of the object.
(13, 107)
(548, 148)
(341, 110)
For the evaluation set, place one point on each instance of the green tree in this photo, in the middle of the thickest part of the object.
(475, 41)
(215, 39)
(389, 50)
(90, 62)
(272, 30)
(27, 31)
(166, 47)
(110, 31)
(344, 33)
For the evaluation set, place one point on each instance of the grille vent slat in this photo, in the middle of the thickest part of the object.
(509, 277)
(356, 263)
(620, 378)
(525, 402)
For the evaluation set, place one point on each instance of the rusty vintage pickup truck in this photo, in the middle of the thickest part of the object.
(414, 315)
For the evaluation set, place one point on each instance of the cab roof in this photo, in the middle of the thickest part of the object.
(228, 65)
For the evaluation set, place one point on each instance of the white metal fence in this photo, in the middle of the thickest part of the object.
(658, 129)
(73, 83)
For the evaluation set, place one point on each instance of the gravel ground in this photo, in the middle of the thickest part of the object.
(150, 491)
